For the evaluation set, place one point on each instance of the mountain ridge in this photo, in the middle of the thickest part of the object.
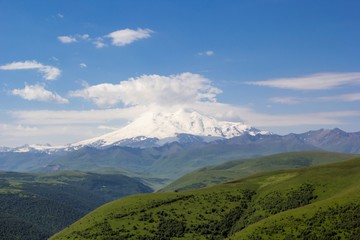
(180, 157)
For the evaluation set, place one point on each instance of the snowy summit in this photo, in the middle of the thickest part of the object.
(167, 127)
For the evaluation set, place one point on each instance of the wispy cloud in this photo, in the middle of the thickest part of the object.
(75, 117)
(126, 36)
(83, 65)
(111, 128)
(49, 72)
(38, 93)
(11, 133)
(286, 100)
(228, 112)
(207, 53)
(151, 89)
(320, 81)
(17, 127)
(351, 97)
(117, 38)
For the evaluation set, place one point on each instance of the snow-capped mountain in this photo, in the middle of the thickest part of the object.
(47, 148)
(158, 128)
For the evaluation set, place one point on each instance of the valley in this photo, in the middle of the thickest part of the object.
(274, 205)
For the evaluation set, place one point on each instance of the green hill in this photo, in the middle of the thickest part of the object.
(320, 202)
(35, 206)
(212, 175)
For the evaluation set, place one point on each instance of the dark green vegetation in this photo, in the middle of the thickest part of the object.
(35, 206)
(212, 175)
(319, 202)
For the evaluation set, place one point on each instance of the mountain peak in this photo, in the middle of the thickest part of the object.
(166, 125)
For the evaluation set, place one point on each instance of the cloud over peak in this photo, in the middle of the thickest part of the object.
(49, 72)
(170, 90)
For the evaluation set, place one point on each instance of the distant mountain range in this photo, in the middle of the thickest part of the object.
(170, 145)
(175, 159)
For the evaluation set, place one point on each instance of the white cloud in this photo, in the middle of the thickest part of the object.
(76, 38)
(320, 81)
(152, 89)
(22, 65)
(66, 39)
(38, 93)
(127, 36)
(83, 65)
(49, 72)
(85, 36)
(59, 15)
(207, 53)
(99, 43)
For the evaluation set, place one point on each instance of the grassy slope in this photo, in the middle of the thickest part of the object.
(243, 209)
(34, 206)
(338, 188)
(212, 175)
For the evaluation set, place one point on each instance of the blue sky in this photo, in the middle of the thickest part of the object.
(70, 70)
